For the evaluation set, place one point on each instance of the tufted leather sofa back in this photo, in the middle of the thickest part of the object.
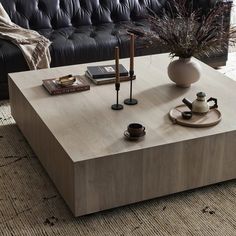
(55, 14)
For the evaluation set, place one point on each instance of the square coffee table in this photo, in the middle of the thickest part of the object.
(79, 139)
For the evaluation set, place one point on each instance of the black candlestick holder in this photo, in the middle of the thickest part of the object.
(130, 100)
(117, 106)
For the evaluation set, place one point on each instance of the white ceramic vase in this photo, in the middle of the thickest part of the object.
(184, 72)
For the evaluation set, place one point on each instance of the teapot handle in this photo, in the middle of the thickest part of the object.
(215, 102)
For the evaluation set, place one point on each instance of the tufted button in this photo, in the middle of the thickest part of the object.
(62, 5)
(70, 37)
(92, 35)
(141, 2)
(41, 6)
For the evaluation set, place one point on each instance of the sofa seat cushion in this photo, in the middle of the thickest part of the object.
(11, 60)
(71, 45)
(74, 45)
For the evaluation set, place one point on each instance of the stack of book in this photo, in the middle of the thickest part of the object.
(106, 74)
(66, 84)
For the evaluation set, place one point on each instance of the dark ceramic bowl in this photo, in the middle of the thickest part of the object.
(187, 115)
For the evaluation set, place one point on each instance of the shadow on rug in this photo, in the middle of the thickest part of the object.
(30, 204)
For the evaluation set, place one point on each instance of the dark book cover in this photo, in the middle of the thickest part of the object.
(101, 81)
(106, 71)
(54, 88)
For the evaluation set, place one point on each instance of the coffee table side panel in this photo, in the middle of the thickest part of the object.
(126, 178)
(50, 153)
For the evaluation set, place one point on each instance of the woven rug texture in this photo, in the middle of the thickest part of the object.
(31, 205)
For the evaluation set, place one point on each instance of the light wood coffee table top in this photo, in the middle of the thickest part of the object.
(86, 127)
(79, 139)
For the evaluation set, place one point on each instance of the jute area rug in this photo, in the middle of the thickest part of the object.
(31, 205)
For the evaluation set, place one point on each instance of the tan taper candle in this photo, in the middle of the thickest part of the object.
(117, 65)
(131, 52)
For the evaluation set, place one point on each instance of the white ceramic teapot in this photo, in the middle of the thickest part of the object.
(200, 105)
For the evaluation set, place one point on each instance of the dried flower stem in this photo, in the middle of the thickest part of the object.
(185, 31)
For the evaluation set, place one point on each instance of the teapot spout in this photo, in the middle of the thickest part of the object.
(187, 103)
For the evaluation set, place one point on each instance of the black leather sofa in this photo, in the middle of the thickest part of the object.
(83, 30)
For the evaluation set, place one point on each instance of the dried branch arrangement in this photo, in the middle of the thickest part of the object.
(185, 31)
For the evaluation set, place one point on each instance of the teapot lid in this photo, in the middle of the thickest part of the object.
(201, 94)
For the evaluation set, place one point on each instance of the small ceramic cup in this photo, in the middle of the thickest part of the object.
(135, 129)
(187, 115)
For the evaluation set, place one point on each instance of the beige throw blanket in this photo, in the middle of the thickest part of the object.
(34, 46)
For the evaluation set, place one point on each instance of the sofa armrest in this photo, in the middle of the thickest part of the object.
(210, 4)
(207, 5)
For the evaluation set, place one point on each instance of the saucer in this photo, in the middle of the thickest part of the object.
(133, 138)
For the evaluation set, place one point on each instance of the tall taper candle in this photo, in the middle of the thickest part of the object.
(131, 52)
(117, 65)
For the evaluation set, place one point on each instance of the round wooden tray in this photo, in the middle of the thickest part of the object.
(213, 117)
